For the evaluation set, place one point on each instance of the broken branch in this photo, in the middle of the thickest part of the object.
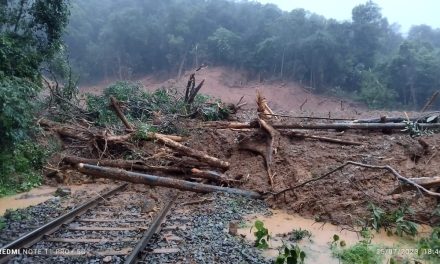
(385, 167)
(326, 139)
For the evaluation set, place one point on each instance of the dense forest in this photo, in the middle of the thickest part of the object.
(366, 58)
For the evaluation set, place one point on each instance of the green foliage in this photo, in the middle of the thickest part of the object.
(30, 35)
(2, 223)
(210, 111)
(394, 220)
(299, 234)
(292, 255)
(20, 158)
(16, 215)
(20, 167)
(142, 106)
(414, 130)
(362, 252)
(261, 235)
(16, 109)
(375, 93)
(429, 247)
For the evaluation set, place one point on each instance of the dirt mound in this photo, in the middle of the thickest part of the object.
(230, 86)
(343, 197)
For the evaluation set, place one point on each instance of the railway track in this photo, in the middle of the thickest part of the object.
(113, 227)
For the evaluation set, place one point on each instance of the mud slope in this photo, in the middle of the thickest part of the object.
(230, 86)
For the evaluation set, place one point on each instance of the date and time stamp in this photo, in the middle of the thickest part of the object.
(408, 251)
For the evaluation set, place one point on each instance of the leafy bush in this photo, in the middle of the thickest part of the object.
(261, 235)
(16, 109)
(292, 255)
(20, 167)
(393, 220)
(20, 158)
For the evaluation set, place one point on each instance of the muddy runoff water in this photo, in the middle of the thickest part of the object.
(317, 248)
(43, 193)
(23, 200)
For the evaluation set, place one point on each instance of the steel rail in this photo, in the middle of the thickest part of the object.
(36, 235)
(135, 255)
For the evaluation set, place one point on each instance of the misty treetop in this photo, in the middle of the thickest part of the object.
(366, 58)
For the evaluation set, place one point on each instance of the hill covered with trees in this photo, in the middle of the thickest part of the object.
(366, 58)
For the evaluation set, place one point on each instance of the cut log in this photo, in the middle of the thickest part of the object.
(427, 182)
(123, 175)
(199, 155)
(125, 164)
(297, 134)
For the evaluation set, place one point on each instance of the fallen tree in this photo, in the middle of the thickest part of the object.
(323, 126)
(123, 175)
(138, 165)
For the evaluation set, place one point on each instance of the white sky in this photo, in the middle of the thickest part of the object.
(404, 12)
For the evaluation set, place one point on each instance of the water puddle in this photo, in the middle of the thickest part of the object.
(43, 193)
(317, 247)
(22, 200)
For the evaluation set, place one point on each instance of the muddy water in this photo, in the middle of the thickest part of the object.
(317, 247)
(23, 200)
(43, 193)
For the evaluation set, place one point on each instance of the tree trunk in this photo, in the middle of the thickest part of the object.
(182, 63)
(199, 155)
(282, 64)
(125, 164)
(123, 175)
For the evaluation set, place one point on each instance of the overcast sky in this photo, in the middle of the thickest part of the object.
(404, 12)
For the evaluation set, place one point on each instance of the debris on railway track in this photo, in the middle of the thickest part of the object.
(298, 162)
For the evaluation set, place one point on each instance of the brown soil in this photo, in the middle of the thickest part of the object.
(341, 198)
(230, 86)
